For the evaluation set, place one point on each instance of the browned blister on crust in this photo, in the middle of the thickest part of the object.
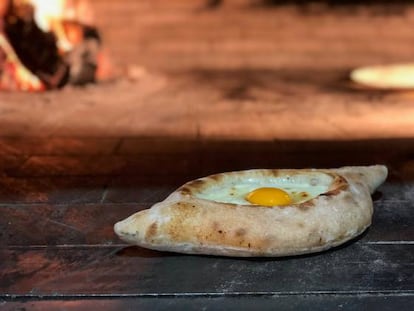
(186, 223)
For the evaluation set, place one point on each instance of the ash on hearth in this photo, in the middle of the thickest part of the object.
(46, 44)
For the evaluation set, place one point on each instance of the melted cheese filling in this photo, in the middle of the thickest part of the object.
(267, 191)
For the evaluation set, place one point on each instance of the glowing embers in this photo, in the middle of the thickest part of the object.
(392, 77)
(46, 44)
(14, 75)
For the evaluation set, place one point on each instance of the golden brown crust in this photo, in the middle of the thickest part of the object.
(188, 224)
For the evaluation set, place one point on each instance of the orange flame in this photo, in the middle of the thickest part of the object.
(15, 76)
(51, 14)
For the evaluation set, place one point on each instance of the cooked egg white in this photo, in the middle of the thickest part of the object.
(268, 191)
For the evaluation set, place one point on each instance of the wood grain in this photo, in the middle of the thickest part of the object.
(356, 268)
(206, 91)
(231, 302)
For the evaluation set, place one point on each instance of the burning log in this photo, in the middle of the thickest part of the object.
(36, 49)
(83, 58)
(14, 76)
(44, 50)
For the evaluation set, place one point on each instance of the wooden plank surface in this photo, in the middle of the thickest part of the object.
(357, 268)
(91, 224)
(195, 157)
(244, 302)
(62, 246)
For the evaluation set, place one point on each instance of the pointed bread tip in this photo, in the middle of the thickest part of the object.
(118, 228)
(373, 175)
(381, 172)
(125, 228)
(133, 228)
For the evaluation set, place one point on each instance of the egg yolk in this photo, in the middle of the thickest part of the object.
(269, 197)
